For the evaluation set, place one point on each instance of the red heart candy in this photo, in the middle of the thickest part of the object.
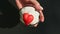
(27, 18)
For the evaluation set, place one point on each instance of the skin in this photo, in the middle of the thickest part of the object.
(22, 3)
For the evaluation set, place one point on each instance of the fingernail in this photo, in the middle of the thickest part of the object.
(35, 25)
(41, 7)
(42, 20)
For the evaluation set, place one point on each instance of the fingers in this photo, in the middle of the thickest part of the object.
(19, 5)
(41, 16)
(38, 8)
(36, 5)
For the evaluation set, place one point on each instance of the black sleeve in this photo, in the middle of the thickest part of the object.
(13, 3)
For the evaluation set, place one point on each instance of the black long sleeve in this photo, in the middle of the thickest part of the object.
(13, 3)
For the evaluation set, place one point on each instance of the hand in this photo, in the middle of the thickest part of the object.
(21, 3)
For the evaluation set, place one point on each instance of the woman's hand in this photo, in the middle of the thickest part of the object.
(22, 3)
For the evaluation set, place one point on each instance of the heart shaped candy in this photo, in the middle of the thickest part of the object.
(27, 18)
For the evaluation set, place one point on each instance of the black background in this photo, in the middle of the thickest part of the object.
(10, 24)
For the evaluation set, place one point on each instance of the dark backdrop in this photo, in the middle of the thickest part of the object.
(10, 24)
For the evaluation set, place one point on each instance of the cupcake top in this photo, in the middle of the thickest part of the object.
(31, 11)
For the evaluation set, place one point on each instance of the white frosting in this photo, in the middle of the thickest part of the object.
(32, 11)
